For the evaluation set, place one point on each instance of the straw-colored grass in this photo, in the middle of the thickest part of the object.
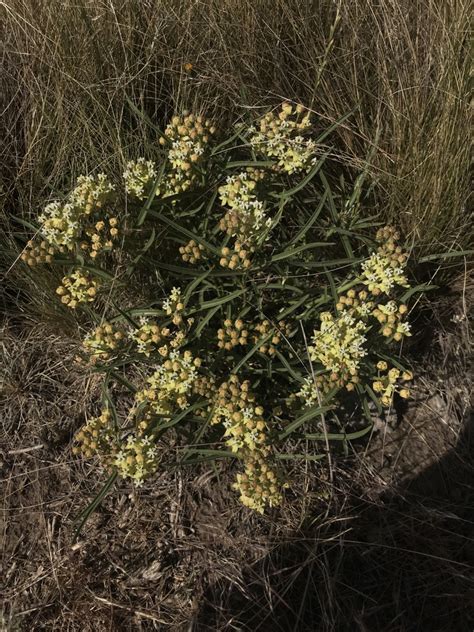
(69, 68)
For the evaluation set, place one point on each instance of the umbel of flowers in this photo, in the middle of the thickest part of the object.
(104, 341)
(246, 434)
(249, 326)
(83, 226)
(281, 136)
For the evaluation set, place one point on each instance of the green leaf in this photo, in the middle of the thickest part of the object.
(208, 452)
(294, 306)
(175, 420)
(334, 126)
(146, 207)
(275, 221)
(103, 274)
(218, 148)
(194, 284)
(220, 301)
(262, 164)
(25, 223)
(374, 398)
(84, 516)
(290, 252)
(123, 380)
(328, 262)
(131, 267)
(314, 411)
(446, 255)
(179, 270)
(335, 215)
(124, 315)
(311, 221)
(393, 361)
(284, 287)
(185, 231)
(146, 311)
(332, 285)
(252, 351)
(294, 374)
(108, 401)
(339, 436)
(306, 180)
(424, 287)
(144, 117)
(300, 457)
(204, 321)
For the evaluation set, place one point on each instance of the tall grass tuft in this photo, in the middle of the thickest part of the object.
(71, 68)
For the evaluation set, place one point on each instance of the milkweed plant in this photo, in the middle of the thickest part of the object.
(274, 316)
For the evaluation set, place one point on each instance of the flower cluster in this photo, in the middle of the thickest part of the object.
(236, 258)
(259, 485)
(339, 344)
(385, 267)
(230, 311)
(77, 287)
(137, 458)
(70, 225)
(263, 329)
(139, 176)
(387, 238)
(387, 383)
(97, 438)
(246, 217)
(246, 434)
(60, 224)
(232, 334)
(390, 317)
(34, 255)
(92, 193)
(191, 252)
(320, 384)
(174, 306)
(235, 333)
(171, 384)
(100, 237)
(279, 136)
(104, 341)
(309, 393)
(188, 137)
(205, 386)
(148, 336)
(356, 303)
(380, 275)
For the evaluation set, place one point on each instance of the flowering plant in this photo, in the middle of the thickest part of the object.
(269, 313)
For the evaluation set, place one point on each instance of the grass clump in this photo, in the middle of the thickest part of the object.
(278, 318)
(72, 68)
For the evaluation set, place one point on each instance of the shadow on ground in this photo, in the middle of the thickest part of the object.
(401, 563)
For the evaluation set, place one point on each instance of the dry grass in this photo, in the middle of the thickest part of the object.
(70, 66)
